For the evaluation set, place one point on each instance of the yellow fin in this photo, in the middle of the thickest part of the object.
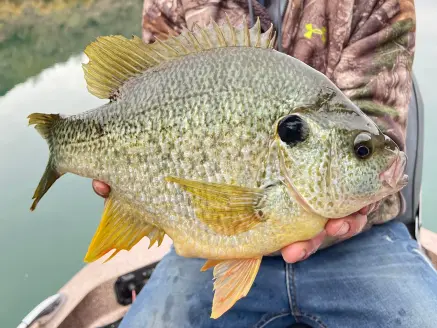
(227, 209)
(114, 59)
(232, 281)
(121, 227)
(43, 122)
(210, 264)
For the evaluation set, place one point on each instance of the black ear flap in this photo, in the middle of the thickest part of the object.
(293, 129)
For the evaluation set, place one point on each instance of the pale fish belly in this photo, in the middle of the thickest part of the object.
(192, 238)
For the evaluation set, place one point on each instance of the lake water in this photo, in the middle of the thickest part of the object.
(40, 251)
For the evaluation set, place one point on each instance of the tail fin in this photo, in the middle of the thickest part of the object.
(44, 124)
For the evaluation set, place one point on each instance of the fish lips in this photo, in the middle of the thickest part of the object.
(394, 177)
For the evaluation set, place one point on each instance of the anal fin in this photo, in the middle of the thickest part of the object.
(232, 281)
(121, 227)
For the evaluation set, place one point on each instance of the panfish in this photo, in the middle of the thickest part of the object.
(231, 148)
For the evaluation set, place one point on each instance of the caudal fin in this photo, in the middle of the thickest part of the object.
(44, 124)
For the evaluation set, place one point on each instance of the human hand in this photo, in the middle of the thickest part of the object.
(341, 229)
(344, 228)
(101, 188)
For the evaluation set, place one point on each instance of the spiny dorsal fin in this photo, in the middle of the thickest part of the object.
(114, 59)
(121, 227)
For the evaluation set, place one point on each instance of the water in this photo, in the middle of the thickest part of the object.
(40, 251)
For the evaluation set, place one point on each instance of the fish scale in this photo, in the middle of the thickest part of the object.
(232, 149)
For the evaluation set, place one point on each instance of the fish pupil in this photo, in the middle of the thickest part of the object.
(292, 130)
(363, 145)
(362, 151)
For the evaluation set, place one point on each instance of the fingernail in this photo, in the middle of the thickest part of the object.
(344, 229)
(303, 255)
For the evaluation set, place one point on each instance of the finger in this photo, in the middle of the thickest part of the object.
(369, 208)
(303, 249)
(101, 188)
(346, 227)
(365, 210)
(356, 225)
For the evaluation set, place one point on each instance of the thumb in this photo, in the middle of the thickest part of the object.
(346, 227)
(101, 188)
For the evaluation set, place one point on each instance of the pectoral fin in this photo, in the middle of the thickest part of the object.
(227, 209)
(232, 281)
(121, 227)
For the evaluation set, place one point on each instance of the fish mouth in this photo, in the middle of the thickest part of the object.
(394, 177)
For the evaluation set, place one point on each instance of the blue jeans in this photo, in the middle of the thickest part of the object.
(376, 279)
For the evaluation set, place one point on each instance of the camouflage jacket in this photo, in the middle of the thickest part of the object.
(366, 47)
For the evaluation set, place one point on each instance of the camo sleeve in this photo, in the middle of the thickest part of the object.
(168, 17)
(366, 47)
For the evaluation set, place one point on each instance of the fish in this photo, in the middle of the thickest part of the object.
(212, 137)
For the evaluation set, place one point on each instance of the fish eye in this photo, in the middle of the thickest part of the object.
(292, 129)
(363, 145)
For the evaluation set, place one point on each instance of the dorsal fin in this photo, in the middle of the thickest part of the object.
(114, 59)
